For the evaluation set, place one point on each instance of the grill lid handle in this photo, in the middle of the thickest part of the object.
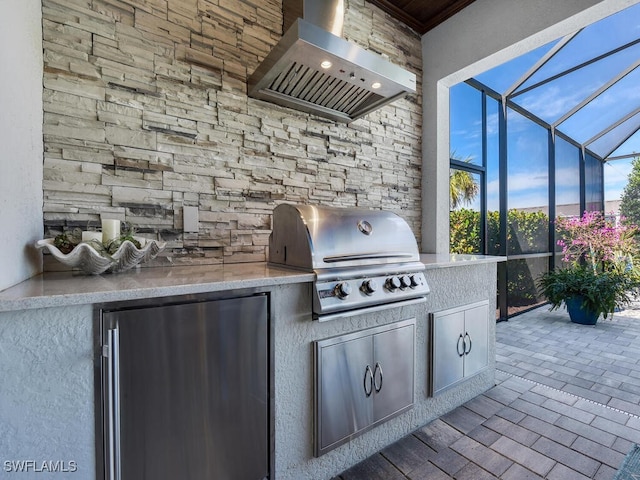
(364, 256)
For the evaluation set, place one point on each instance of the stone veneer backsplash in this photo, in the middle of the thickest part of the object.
(146, 111)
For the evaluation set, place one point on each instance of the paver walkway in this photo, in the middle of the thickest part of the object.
(566, 406)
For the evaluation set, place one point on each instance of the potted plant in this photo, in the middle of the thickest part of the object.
(599, 275)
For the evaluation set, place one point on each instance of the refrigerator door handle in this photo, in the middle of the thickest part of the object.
(113, 403)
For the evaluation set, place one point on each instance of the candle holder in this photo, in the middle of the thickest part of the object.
(87, 258)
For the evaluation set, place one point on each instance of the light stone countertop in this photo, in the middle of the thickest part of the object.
(54, 289)
(438, 260)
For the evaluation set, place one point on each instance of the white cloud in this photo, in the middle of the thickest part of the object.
(617, 171)
(549, 102)
(525, 190)
(567, 178)
(616, 177)
(527, 181)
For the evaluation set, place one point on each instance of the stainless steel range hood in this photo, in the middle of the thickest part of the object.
(314, 70)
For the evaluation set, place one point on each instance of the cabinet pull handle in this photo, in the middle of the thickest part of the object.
(460, 353)
(113, 403)
(467, 336)
(378, 368)
(368, 374)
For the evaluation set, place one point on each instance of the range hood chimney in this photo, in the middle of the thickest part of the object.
(315, 70)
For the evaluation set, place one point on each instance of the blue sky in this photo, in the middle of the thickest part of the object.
(527, 150)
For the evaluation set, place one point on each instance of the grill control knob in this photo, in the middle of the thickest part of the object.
(392, 283)
(342, 290)
(414, 281)
(405, 281)
(369, 286)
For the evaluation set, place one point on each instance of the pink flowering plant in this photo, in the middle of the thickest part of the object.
(599, 255)
(598, 242)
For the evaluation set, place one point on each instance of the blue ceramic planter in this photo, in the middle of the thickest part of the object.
(579, 314)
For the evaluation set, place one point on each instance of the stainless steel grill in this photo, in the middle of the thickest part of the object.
(361, 258)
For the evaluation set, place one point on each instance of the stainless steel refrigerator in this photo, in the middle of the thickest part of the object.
(185, 390)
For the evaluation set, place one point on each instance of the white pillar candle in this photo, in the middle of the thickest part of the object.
(88, 236)
(110, 230)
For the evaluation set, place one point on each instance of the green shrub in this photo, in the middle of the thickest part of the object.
(528, 232)
(601, 292)
(464, 231)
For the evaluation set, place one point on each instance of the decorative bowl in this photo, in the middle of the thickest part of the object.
(86, 258)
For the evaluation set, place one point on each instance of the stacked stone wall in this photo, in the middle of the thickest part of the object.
(146, 111)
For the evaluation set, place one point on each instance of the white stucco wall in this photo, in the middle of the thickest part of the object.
(21, 148)
(483, 35)
(47, 394)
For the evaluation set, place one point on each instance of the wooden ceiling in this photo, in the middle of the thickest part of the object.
(421, 15)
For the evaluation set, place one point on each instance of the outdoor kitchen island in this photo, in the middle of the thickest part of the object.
(49, 361)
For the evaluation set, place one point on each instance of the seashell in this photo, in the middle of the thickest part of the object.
(86, 258)
(128, 255)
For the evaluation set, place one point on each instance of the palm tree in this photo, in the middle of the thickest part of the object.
(463, 188)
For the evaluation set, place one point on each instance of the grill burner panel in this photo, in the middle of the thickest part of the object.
(338, 295)
(361, 258)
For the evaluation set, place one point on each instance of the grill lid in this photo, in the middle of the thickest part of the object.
(363, 259)
(318, 238)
